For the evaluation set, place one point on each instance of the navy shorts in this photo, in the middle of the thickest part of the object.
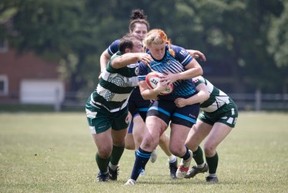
(137, 105)
(168, 111)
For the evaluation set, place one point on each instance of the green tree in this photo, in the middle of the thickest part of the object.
(234, 35)
(248, 38)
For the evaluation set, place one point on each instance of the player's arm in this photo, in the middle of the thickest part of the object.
(193, 69)
(130, 58)
(146, 92)
(104, 58)
(202, 95)
(197, 54)
(107, 54)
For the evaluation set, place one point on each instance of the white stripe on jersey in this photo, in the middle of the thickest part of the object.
(120, 80)
(109, 96)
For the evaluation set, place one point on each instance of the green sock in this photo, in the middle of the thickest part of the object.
(212, 163)
(116, 154)
(102, 163)
(198, 156)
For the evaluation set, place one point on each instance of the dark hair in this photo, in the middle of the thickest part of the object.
(127, 41)
(138, 16)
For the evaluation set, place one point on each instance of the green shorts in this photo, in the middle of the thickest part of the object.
(227, 114)
(100, 119)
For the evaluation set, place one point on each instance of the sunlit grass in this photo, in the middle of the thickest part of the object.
(54, 152)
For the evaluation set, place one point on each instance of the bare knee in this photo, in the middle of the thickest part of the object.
(149, 143)
(104, 152)
(192, 146)
(176, 150)
(129, 146)
(209, 150)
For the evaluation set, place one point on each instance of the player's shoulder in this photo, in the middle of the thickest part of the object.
(179, 51)
(114, 47)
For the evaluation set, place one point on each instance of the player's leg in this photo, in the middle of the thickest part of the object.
(197, 134)
(172, 159)
(218, 133)
(138, 130)
(182, 121)
(104, 145)
(119, 130)
(100, 129)
(177, 146)
(225, 120)
(155, 127)
(129, 139)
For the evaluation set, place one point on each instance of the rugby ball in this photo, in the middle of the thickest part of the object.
(152, 80)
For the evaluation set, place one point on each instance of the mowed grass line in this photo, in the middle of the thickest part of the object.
(54, 152)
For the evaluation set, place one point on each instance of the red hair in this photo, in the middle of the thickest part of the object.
(157, 36)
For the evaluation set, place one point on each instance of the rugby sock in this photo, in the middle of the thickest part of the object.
(198, 156)
(102, 163)
(186, 155)
(141, 160)
(172, 158)
(212, 163)
(116, 154)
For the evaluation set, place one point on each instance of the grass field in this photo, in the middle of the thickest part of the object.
(54, 152)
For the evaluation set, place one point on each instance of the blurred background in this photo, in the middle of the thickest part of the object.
(50, 49)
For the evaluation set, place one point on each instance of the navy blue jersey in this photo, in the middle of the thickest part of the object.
(176, 64)
(114, 47)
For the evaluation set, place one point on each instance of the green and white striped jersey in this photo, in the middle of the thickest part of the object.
(115, 86)
(217, 97)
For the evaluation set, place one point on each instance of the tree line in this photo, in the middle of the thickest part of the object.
(245, 41)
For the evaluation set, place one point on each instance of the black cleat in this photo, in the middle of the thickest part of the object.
(212, 179)
(195, 170)
(102, 177)
(173, 168)
(113, 173)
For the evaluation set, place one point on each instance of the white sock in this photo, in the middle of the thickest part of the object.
(201, 165)
(113, 167)
(212, 175)
(172, 158)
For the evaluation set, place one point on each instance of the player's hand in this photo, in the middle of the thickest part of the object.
(170, 78)
(145, 58)
(101, 74)
(197, 54)
(180, 102)
(161, 86)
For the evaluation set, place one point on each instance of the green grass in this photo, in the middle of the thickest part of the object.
(54, 152)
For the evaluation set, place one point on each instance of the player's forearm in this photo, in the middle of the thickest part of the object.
(194, 70)
(150, 94)
(124, 60)
(200, 97)
(103, 62)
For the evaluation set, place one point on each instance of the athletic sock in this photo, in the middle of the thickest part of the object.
(102, 163)
(172, 158)
(186, 156)
(141, 160)
(113, 167)
(198, 157)
(212, 163)
(116, 154)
